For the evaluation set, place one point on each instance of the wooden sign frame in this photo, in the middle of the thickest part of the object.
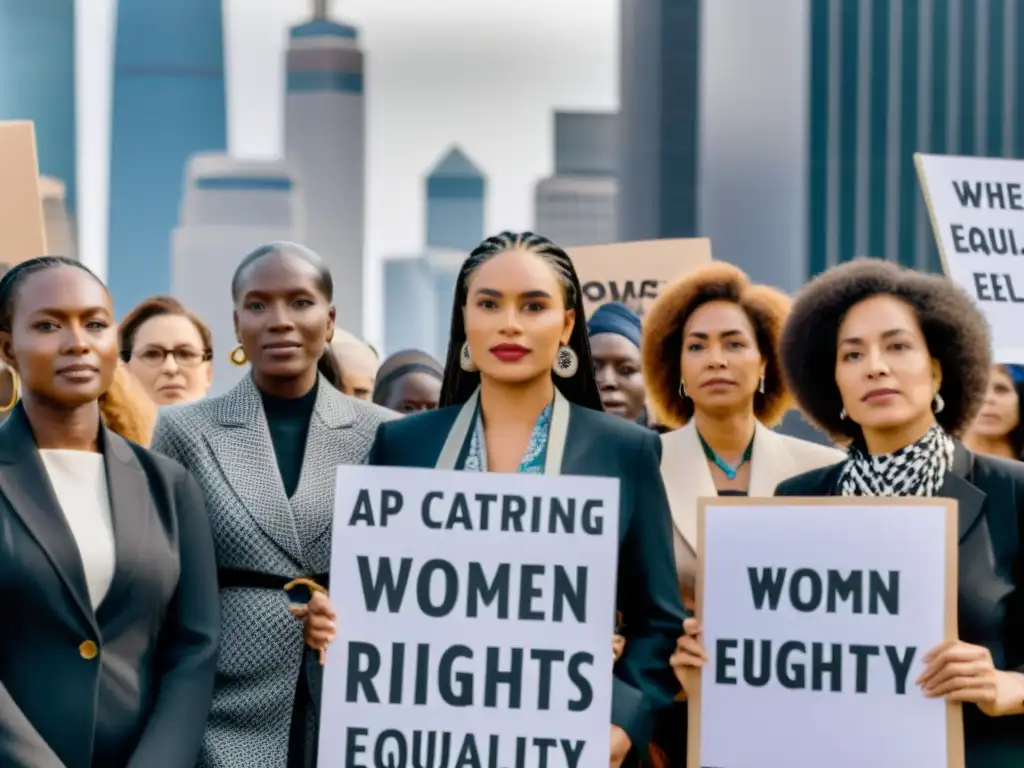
(954, 712)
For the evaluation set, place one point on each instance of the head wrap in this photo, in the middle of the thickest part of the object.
(1016, 373)
(616, 318)
(401, 364)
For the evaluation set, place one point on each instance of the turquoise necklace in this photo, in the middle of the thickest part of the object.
(730, 472)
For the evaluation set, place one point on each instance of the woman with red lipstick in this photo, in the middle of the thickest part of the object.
(998, 429)
(898, 362)
(519, 395)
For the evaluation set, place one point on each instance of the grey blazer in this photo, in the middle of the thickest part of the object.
(127, 685)
(226, 444)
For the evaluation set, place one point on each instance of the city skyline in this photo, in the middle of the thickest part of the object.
(437, 74)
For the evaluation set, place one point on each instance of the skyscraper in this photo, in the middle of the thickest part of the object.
(325, 142)
(891, 79)
(168, 103)
(660, 49)
(37, 81)
(456, 193)
(229, 207)
(577, 205)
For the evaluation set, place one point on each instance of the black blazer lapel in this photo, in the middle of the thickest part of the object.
(577, 445)
(25, 483)
(957, 485)
(131, 510)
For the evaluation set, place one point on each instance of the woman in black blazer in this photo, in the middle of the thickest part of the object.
(107, 575)
(898, 362)
(519, 361)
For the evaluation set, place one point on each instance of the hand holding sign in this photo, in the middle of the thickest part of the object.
(965, 673)
(318, 615)
(690, 655)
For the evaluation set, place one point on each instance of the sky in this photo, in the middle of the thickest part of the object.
(484, 74)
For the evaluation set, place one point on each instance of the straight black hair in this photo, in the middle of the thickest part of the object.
(327, 365)
(459, 385)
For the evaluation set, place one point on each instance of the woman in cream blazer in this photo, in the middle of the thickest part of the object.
(711, 365)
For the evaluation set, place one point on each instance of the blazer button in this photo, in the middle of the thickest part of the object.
(88, 650)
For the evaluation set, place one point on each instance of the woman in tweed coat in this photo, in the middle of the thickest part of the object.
(265, 456)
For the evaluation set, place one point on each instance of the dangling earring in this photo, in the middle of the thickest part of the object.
(238, 356)
(682, 389)
(842, 414)
(566, 362)
(938, 403)
(760, 386)
(465, 359)
(15, 392)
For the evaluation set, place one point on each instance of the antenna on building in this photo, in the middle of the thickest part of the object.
(320, 9)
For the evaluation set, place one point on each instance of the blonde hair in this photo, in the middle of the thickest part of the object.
(127, 409)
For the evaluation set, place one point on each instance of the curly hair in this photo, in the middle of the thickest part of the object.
(662, 346)
(954, 330)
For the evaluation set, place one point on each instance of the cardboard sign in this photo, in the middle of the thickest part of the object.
(633, 273)
(22, 231)
(816, 616)
(478, 623)
(976, 206)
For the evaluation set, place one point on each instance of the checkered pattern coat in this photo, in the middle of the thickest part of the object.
(225, 443)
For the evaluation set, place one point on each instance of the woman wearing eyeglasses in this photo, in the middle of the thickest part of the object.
(168, 349)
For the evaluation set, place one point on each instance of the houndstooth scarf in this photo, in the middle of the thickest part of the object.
(917, 470)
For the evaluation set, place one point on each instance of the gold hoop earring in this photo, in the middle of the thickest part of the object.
(15, 392)
(238, 356)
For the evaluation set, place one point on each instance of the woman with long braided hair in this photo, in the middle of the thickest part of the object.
(520, 396)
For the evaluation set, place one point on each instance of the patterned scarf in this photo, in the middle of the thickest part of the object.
(916, 470)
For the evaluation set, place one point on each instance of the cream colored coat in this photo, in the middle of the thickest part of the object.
(687, 477)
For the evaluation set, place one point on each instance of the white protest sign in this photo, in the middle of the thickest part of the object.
(976, 205)
(476, 613)
(816, 616)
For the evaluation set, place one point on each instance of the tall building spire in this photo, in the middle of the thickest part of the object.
(319, 9)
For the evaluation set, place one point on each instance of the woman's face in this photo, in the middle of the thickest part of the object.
(617, 365)
(515, 317)
(720, 362)
(170, 361)
(63, 339)
(282, 318)
(885, 373)
(413, 392)
(1000, 413)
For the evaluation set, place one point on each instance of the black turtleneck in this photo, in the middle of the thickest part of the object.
(288, 420)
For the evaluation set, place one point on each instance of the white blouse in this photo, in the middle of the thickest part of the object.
(79, 479)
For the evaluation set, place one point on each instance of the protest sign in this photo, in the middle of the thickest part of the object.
(816, 616)
(477, 612)
(976, 206)
(22, 231)
(633, 273)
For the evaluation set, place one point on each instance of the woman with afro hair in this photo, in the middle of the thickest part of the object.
(897, 362)
(711, 364)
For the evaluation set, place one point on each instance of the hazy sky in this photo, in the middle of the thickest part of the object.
(485, 74)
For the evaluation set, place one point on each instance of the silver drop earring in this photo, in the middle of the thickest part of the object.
(842, 414)
(465, 359)
(682, 390)
(567, 362)
(760, 386)
(938, 403)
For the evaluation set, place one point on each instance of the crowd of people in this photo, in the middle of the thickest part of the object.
(164, 555)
